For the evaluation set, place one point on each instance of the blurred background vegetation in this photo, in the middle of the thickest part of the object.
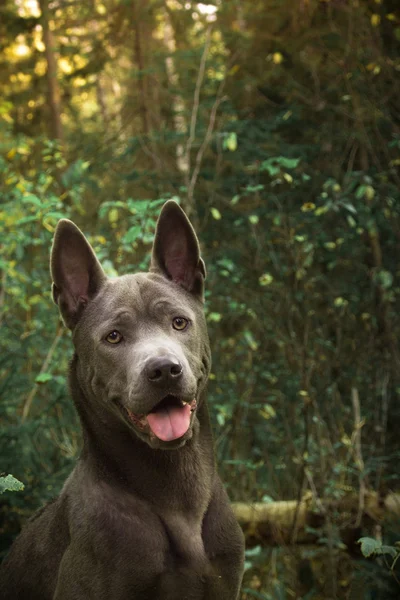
(276, 124)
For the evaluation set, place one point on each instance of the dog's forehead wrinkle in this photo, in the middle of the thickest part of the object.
(125, 299)
(145, 293)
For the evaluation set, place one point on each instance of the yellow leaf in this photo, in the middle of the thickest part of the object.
(265, 279)
(113, 215)
(288, 177)
(321, 211)
(10, 155)
(375, 20)
(216, 214)
(268, 412)
(36, 299)
(339, 301)
(369, 192)
(277, 58)
(231, 142)
(307, 206)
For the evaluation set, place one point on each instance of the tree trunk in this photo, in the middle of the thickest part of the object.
(139, 60)
(54, 96)
(178, 105)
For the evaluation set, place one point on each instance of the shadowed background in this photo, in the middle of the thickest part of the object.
(276, 125)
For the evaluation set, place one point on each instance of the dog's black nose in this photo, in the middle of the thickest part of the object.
(163, 368)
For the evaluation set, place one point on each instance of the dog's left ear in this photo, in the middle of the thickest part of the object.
(176, 251)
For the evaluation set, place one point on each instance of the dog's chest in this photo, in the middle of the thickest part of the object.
(185, 542)
(163, 534)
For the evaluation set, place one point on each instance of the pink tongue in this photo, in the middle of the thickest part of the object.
(170, 423)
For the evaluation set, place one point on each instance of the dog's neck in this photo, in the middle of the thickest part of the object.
(113, 454)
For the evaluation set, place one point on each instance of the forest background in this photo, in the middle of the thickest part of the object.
(276, 125)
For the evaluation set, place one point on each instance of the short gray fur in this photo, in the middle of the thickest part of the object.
(139, 518)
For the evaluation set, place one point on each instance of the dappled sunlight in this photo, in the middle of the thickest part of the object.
(275, 125)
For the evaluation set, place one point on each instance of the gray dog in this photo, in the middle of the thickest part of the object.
(144, 515)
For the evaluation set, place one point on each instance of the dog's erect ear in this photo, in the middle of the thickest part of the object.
(176, 252)
(77, 274)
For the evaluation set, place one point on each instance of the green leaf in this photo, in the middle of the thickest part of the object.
(132, 234)
(230, 142)
(288, 163)
(351, 221)
(43, 378)
(369, 546)
(139, 207)
(215, 317)
(216, 214)
(256, 551)
(10, 484)
(265, 279)
(385, 279)
(254, 188)
(267, 499)
(267, 412)
(388, 550)
(274, 164)
(31, 199)
(221, 419)
(248, 336)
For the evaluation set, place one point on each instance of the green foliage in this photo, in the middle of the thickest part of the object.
(8, 483)
(286, 154)
(371, 547)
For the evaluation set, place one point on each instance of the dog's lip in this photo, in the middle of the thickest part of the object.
(140, 420)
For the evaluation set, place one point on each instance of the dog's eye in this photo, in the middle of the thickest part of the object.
(180, 323)
(114, 337)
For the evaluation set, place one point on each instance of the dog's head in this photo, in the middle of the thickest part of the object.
(141, 341)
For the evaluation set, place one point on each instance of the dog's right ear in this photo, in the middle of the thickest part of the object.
(77, 274)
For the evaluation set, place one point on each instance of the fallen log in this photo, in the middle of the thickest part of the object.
(289, 521)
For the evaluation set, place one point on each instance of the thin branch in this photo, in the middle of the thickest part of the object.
(196, 101)
(202, 148)
(2, 295)
(358, 423)
(28, 402)
(303, 474)
(383, 425)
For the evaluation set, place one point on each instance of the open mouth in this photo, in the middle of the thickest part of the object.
(168, 420)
